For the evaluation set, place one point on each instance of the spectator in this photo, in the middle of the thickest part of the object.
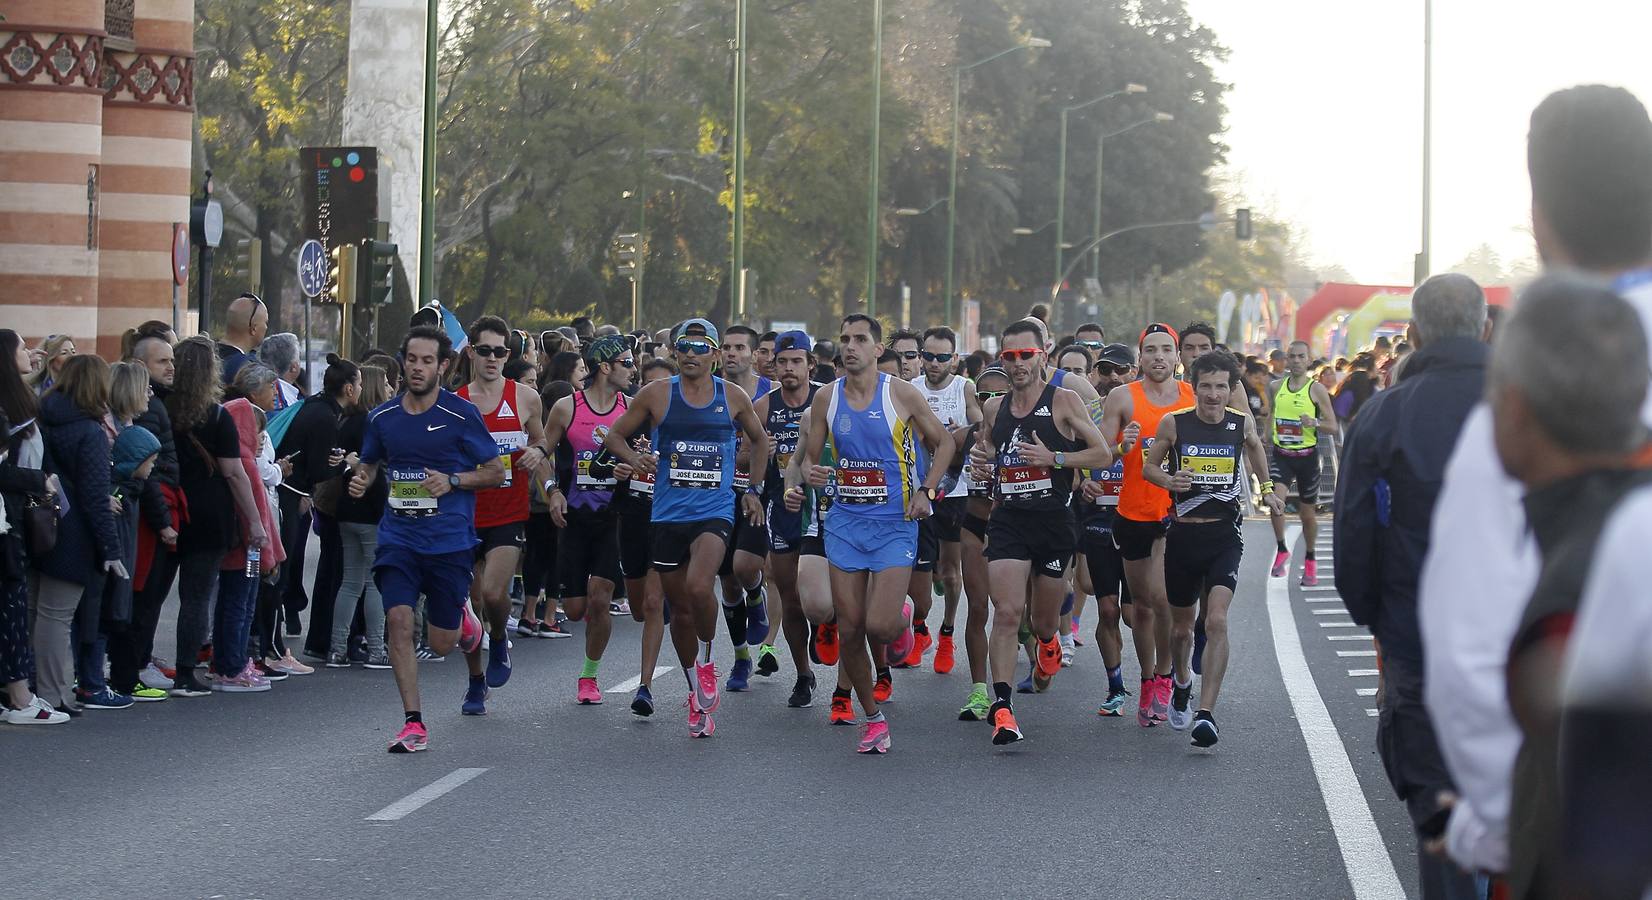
(392, 370)
(56, 350)
(233, 669)
(1355, 390)
(522, 372)
(88, 550)
(1276, 363)
(358, 530)
(311, 443)
(1570, 438)
(245, 322)
(128, 393)
(218, 496)
(1392, 462)
(154, 328)
(280, 353)
(131, 460)
(565, 366)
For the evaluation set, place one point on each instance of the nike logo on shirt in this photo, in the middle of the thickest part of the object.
(433, 427)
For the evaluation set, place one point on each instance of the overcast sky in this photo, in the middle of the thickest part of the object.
(1325, 114)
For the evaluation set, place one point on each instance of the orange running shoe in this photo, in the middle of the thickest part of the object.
(920, 643)
(1049, 663)
(1004, 728)
(825, 643)
(842, 712)
(884, 688)
(943, 654)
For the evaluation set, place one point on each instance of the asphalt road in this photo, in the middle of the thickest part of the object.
(270, 795)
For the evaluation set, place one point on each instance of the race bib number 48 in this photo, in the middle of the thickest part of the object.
(698, 466)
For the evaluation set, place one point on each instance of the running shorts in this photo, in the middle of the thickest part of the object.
(672, 541)
(864, 544)
(1200, 555)
(1042, 538)
(1302, 470)
(1135, 539)
(589, 548)
(402, 574)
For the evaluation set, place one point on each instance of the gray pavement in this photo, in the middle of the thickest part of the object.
(268, 795)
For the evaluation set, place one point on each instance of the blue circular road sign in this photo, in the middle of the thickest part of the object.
(312, 268)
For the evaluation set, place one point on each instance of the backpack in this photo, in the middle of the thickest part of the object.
(278, 424)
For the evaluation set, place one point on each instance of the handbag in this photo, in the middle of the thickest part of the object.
(40, 526)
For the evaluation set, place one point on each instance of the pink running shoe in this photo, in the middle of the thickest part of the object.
(901, 647)
(705, 688)
(470, 631)
(1280, 560)
(874, 738)
(411, 739)
(700, 724)
(1161, 698)
(1310, 572)
(589, 695)
(1144, 704)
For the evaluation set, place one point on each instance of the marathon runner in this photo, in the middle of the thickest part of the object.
(588, 553)
(1131, 416)
(696, 416)
(905, 363)
(782, 411)
(512, 417)
(1301, 411)
(1202, 552)
(814, 581)
(1101, 490)
(992, 383)
(438, 452)
(1039, 433)
(635, 504)
(872, 535)
(745, 602)
(952, 399)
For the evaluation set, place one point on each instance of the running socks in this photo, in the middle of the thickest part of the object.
(919, 627)
(1115, 678)
(754, 594)
(946, 631)
(1002, 692)
(414, 716)
(1309, 554)
(875, 718)
(840, 692)
(1282, 547)
(734, 615)
(705, 651)
(589, 670)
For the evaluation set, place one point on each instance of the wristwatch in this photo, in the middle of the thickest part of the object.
(933, 494)
(1060, 459)
(453, 481)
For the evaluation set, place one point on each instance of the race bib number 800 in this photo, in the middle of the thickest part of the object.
(407, 494)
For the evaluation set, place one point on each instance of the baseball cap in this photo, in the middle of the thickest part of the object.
(793, 340)
(1159, 328)
(1118, 355)
(709, 329)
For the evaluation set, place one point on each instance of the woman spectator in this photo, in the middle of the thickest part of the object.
(391, 368)
(358, 530)
(154, 328)
(55, 351)
(1357, 388)
(239, 570)
(88, 548)
(128, 393)
(18, 484)
(522, 372)
(217, 493)
(311, 443)
(566, 366)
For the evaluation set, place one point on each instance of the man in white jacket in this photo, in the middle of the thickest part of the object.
(1589, 153)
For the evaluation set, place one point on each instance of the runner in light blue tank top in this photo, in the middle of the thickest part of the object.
(695, 481)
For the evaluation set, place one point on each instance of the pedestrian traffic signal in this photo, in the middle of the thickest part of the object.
(341, 277)
(1241, 224)
(249, 263)
(625, 254)
(376, 271)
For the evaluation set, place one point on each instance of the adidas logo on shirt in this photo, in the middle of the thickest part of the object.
(1042, 411)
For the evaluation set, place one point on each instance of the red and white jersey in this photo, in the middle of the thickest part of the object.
(508, 502)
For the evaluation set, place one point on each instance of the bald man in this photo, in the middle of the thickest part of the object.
(245, 322)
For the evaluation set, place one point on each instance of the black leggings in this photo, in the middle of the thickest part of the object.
(538, 558)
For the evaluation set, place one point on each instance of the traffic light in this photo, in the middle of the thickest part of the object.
(341, 277)
(250, 263)
(1241, 224)
(626, 247)
(376, 271)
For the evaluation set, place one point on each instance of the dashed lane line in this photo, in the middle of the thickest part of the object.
(1362, 673)
(632, 683)
(1356, 653)
(419, 798)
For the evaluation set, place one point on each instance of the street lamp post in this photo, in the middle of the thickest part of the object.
(1061, 164)
(1101, 143)
(737, 281)
(952, 176)
(872, 189)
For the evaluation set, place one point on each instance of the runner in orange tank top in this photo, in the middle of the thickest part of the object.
(1132, 415)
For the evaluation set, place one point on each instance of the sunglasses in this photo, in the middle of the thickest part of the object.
(938, 357)
(698, 348)
(495, 352)
(906, 354)
(1013, 355)
(1093, 345)
(628, 363)
(984, 396)
(1110, 369)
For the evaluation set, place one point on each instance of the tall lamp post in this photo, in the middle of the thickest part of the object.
(1101, 142)
(1061, 163)
(1423, 262)
(872, 184)
(1031, 43)
(737, 282)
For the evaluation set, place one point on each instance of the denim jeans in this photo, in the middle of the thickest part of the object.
(358, 543)
(237, 596)
(197, 588)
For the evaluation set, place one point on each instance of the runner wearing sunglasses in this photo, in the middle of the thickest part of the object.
(991, 383)
(512, 416)
(1100, 490)
(745, 602)
(696, 417)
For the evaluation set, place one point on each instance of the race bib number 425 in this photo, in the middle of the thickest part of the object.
(1212, 466)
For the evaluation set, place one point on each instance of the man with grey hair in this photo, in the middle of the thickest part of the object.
(280, 353)
(1393, 458)
(1571, 439)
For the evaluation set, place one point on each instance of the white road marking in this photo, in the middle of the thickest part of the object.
(1356, 653)
(632, 683)
(1371, 713)
(1321, 599)
(1329, 612)
(1364, 856)
(1346, 637)
(1319, 587)
(1362, 673)
(414, 801)
(1337, 625)
(1366, 692)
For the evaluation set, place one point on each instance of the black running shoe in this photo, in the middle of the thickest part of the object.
(1204, 729)
(803, 692)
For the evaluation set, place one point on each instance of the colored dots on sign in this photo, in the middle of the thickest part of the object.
(353, 158)
(337, 162)
(358, 173)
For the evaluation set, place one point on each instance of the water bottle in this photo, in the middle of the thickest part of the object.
(253, 557)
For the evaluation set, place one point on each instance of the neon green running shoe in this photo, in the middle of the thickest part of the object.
(976, 707)
(768, 662)
(143, 693)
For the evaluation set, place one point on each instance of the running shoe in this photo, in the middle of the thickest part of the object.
(874, 738)
(143, 693)
(411, 739)
(470, 631)
(884, 687)
(499, 664)
(901, 646)
(1113, 706)
(476, 698)
(1161, 698)
(1280, 560)
(619, 608)
(289, 664)
(589, 694)
(768, 662)
(643, 703)
(1049, 663)
(843, 712)
(37, 712)
(1180, 716)
(1004, 728)
(378, 659)
(920, 643)
(1205, 732)
(978, 705)
(553, 630)
(824, 644)
(757, 617)
(700, 724)
(187, 685)
(263, 669)
(239, 683)
(803, 692)
(1025, 686)
(337, 660)
(943, 654)
(1199, 646)
(154, 676)
(424, 654)
(1067, 651)
(705, 686)
(739, 677)
(1310, 573)
(527, 627)
(1144, 704)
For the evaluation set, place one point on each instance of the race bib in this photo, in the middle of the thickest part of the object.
(1023, 481)
(1146, 445)
(861, 482)
(1289, 432)
(692, 465)
(742, 479)
(1213, 466)
(1112, 483)
(584, 463)
(407, 494)
(642, 485)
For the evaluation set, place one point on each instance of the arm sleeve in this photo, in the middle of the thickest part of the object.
(157, 514)
(1358, 526)
(15, 479)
